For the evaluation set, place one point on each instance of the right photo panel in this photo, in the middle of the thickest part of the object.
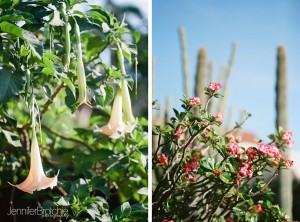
(226, 131)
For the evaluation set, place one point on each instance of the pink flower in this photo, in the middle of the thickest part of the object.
(288, 163)
(178, 134)
(194, 101)
(244, 171)
(196, 157)
(215, 86)
(206, 135)
(233, 148)
(163, 160)
(219, 117)
(209, 127)
(287, 137)
(259, 208)
(166, 220)
(238, 139)
(251, 153)
(202, 152)
(191, 166)
(269, 150)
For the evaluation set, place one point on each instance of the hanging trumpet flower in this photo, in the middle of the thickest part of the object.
(129, 119)
(56, 21)
(115, 128)
(36, 179)
(80, 70)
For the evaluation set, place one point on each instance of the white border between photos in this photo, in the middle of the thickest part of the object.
(150, 82)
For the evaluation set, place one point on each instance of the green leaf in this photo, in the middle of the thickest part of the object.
(136, 36)
(122, 211)
(99, 183)
(71, 86)
(11, 29)
(75, 2)
(35, 45)
(107, 95)
(11, 83)
(93, 211)
(80, 189)
(63, 201)
(12, 138)
(70, 100)
(48, 71)
(94, 45)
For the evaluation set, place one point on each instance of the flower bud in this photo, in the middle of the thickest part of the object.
(82, 98)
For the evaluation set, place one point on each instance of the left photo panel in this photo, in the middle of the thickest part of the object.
(74, 110)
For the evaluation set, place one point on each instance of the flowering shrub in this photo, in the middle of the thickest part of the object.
(68, 136)
(193, 186)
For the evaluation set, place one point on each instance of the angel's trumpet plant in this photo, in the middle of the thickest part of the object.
(115, 127)
(36, 179)
(82, 98)
(129, 119)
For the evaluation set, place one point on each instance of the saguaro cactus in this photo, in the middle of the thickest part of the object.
(201, 73)
(184, 61)
(285, 176)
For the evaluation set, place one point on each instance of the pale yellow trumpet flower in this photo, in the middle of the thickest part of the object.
(36, 179)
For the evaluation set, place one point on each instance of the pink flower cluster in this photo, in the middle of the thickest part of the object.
(190, 167)
(273, 151)
(194, 101)
(270, 151)
(214, 86)
(166, 220)
(251, 153)
(163, 160)
(287, 137)
(246, 171)
(233, 148)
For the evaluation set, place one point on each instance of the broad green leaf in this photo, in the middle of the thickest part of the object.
(106, 97)
(71, 86)
(11, 83)
(94, 46)
(11, 29)
(93, 211)
(79, 189)
(122, 211)
(35, 45)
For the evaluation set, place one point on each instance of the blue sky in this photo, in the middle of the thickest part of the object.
(258, 27)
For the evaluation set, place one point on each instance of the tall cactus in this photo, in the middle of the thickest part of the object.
(201, 75)
(285, 176)
(184, 61)
(168, 112)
